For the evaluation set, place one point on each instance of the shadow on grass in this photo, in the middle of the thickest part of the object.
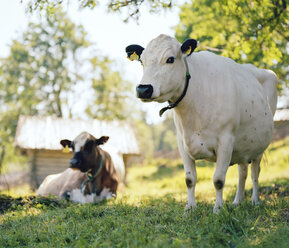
(152, 222)
(269, 190)
(166, 170)
(8, 203)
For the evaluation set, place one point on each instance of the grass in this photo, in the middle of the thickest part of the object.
(149, 212)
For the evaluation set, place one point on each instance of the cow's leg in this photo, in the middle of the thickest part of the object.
(191, 176)
(240, 195)
(255, 170)
(224, 155)
(191, 180)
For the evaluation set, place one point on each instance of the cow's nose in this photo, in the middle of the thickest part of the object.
(74, 162)
(144, 91)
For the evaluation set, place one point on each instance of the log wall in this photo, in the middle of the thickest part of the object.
(47, 162)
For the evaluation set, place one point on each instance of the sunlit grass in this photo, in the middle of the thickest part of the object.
(161, 177)
(149, 212)
(23, 190)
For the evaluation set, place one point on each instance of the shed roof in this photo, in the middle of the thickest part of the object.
(281, 115)
(46, 132)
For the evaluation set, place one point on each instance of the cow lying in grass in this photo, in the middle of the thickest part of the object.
(223, 111)
(91, 176)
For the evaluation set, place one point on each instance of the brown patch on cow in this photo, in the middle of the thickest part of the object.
(107, 177)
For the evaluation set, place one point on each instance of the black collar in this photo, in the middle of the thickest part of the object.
(91, 177)
(172, 105)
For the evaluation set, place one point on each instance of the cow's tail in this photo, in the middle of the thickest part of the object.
(270, 88)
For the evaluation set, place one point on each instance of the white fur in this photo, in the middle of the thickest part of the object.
(226, 115)
(80, 140)
(59, 184)
(78, 197)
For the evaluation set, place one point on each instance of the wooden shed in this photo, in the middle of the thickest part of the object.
(39, 137)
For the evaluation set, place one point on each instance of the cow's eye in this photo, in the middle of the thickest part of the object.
(170, 60)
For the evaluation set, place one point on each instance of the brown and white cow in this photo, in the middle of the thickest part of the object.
(91, 176)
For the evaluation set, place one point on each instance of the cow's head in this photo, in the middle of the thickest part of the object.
(164, 71)
(86, 151)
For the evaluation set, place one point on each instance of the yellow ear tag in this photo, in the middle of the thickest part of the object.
(188, 51)
(134, 56)
(66, 149)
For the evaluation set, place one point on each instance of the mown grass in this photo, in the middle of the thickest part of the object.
(149, 212)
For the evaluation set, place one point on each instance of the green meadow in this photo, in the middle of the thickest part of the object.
(149, 211)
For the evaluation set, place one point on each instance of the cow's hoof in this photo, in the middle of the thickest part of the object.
(255, 202)
(190, 208)
(217, 209)
(236, 202)
(66, 195)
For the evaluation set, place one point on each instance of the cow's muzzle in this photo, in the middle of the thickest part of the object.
(74, 162)
(144, 91)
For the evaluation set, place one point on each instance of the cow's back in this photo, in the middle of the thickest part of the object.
(59, 184)
(50, 185)
(268, 80)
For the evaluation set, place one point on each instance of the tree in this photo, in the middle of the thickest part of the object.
(112, 94)
(36, 74)
(44, 68)
(132, 7)
(38, 70)
(164, 134)
(248, 31)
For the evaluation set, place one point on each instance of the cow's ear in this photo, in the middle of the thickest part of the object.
(189, 46)
(133, 52)
(66, 142)
(102, 140)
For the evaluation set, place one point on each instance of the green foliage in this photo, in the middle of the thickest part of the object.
(150, 212)
(11, 159)
(145, 138)
(156, 137)
(40, 75)
(36, 77)
(112, 93)
(246, 31)
(38, 71)
(164, 134)
(132, 7)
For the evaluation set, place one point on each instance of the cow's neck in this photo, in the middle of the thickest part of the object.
(175, 102)
(99, 164)
(92, 176)
(188, 110)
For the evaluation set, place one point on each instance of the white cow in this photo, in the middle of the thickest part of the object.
(223, 113)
